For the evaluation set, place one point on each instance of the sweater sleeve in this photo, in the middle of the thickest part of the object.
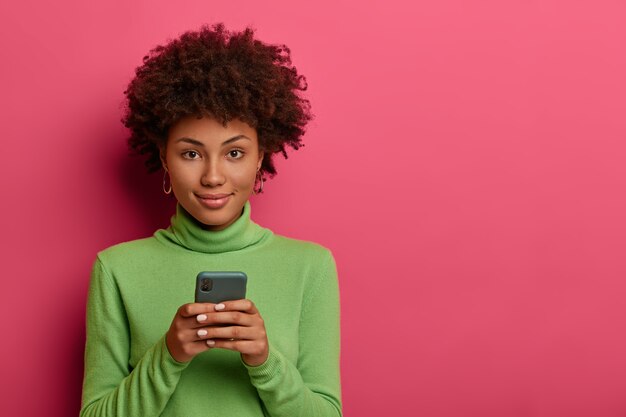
(311, 387)
(110, 388)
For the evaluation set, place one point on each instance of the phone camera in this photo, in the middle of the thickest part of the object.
(206, 284)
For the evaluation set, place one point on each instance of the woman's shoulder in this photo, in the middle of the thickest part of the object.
(314, 257)
(120, 252)
(302, 247)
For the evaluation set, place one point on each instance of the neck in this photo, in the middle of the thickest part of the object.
(188, 232)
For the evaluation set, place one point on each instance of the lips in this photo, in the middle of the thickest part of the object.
(214, 201)
(212, 196)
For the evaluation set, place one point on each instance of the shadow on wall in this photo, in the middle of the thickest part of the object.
(153, 208)
(72, 353)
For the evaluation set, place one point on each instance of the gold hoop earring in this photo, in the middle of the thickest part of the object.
(169, 190)
(258, 176)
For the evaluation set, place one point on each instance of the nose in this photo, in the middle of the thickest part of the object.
(213, 175)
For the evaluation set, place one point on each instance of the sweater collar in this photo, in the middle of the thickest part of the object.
(186, 231)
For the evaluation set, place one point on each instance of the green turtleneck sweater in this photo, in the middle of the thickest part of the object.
(136, 288)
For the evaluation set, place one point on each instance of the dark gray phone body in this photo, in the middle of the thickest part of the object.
(217, 286)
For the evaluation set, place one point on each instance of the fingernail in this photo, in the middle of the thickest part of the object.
(201, 317)
(202, 332)
(220, 307)
(210, 342)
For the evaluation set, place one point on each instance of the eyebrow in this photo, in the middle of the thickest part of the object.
(198, 143)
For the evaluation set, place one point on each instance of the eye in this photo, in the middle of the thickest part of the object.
(191, 154)
(235, 154)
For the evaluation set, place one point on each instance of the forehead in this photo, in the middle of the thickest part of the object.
(210, 131)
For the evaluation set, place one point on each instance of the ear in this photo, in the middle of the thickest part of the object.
(260, 161)
(162, 157)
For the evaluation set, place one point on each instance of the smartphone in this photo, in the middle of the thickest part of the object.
(217, 286)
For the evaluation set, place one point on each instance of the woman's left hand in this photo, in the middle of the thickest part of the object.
(236, 325)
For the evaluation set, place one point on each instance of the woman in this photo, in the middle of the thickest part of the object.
(212, 108)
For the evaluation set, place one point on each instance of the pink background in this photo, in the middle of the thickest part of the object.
(466, 167)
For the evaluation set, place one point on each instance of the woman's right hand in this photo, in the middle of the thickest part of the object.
(182, 338)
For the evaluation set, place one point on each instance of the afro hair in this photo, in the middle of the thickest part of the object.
(220, 74)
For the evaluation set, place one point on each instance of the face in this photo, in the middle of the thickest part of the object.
(212, 168)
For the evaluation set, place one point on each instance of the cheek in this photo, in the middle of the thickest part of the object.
(244, 177)
(182, 177)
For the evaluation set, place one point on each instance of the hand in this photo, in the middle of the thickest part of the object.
(182, 338)
(236, 325)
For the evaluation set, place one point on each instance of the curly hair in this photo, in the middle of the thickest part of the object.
(220, 74)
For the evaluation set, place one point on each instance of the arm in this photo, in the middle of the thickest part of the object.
(312, 388)
(109, 388)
